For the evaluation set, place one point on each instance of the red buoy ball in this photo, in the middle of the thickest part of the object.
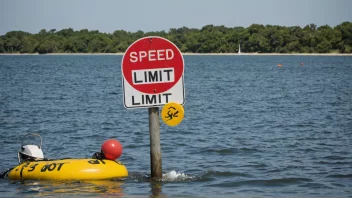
(112, 149)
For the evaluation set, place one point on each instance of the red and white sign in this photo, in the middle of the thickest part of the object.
(152, 70)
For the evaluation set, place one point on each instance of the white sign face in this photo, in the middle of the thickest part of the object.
(136, 99)
(152, 70)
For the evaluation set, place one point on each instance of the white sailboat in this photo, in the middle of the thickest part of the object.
(239, 48)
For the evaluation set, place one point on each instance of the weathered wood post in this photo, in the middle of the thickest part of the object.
(155, 150)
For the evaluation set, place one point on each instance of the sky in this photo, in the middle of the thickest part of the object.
(157, 15)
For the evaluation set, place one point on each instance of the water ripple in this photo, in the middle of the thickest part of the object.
(250, 128)
(270, 182)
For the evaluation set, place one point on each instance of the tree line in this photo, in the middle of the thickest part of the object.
(256, 38)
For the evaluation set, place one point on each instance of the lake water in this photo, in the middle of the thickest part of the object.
(251, 128)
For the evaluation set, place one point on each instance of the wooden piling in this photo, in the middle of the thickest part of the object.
(155, 150)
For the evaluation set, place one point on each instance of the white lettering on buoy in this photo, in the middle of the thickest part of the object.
(152, 55)
(150, 76)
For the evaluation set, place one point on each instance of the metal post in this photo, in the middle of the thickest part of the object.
(155, 151)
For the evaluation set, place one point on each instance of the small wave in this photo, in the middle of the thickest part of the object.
(49, 98)
(334, 157)
(138, 177)
(34, 189)
(284, 168)
(340, 176)
(333, 162)
(176, 176)
(221, 151)
(313, 185)
(255, 165)
(225, 174)
(249, 150)
(271, 182)
(107, 123)
(306, 150)
(225, 151)
(172, 176)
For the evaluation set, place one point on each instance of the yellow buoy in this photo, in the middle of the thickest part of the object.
(69, 169)
(172, 113)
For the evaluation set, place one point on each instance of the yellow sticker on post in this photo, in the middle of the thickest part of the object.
(172, 113)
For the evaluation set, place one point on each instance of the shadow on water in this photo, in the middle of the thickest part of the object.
(156, 190)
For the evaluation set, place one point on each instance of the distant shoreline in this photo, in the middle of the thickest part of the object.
(197, 54)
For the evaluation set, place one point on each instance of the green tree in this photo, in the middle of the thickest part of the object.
(30, 44)
(208, 39)
(2, 45)
(345, 45)
(48, 46)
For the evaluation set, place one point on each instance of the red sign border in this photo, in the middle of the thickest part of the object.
(183, 61)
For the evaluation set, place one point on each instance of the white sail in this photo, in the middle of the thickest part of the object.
(239, 48)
